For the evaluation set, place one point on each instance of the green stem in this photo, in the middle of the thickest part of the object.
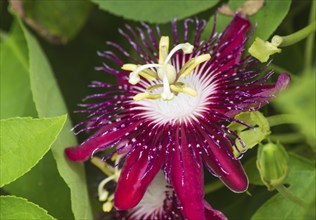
(289, 195)
(283, 41)
(287, 138)
(310, 41)
(211, 187)
(282, 119)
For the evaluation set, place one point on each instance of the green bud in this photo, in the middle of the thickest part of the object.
(272, 163)
(262, 50)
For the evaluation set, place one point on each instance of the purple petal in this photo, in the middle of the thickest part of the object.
(134, 179)
(233, 37)
(188, 181)
(229, 170)
(84, 151)
(280, 85)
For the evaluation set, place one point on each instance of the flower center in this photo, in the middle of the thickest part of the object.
(165, 73)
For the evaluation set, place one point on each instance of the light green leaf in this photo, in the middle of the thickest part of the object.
(15, 93)
(300, 101)
(20, 209)
(60, 23)
(154, 11)
(24, 141)
(268, 18)
(251, 137)
(301, 182)
(49, 102)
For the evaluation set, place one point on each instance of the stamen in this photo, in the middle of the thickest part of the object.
(149, 89)
(166, 94)
(134, 76)
(186, 48)
(147, 73)
(163, 49)
(165, 72)
(192, 63)
(180, 87)
(145, 95)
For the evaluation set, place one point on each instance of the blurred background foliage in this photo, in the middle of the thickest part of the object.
(70, 33)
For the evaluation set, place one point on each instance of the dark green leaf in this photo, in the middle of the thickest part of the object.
(29, 137)
(20, 209)
(252, 172)
(57, 21)
(154, 11)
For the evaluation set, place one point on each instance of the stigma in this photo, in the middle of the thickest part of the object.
(164, 74)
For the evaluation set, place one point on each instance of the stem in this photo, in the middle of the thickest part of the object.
(287, 138)
(310, 41)
(282, 119)
(211, 187)
(289, 195)
(283, 41)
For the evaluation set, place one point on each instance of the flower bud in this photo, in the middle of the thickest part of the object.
(272, 163)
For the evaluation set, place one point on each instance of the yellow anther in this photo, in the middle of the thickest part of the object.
(163, 49)
(107, 207)
(134, 78)
(129, 67)
(113, 158)
(180, 87)
(152, 88)
(148, 74)
(192, 63)
(145, 95)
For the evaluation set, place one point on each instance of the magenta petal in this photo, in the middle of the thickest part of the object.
(84, 151)
(213, 214)
(188, 181)
(132, 183)
(229, 170)
(234, 36)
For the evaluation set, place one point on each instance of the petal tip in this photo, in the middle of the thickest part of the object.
(76, 154)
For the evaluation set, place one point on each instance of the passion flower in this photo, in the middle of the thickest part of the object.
(170, 107)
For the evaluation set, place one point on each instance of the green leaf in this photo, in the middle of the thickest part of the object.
(60, 23)
(44, 186)
(34, 184)
(24, 141)
(20, 209)
(301, 182)
(154, 11)
(299, 100)
(268, 18)
(252, 172)
(15, 93)
(49, 102)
